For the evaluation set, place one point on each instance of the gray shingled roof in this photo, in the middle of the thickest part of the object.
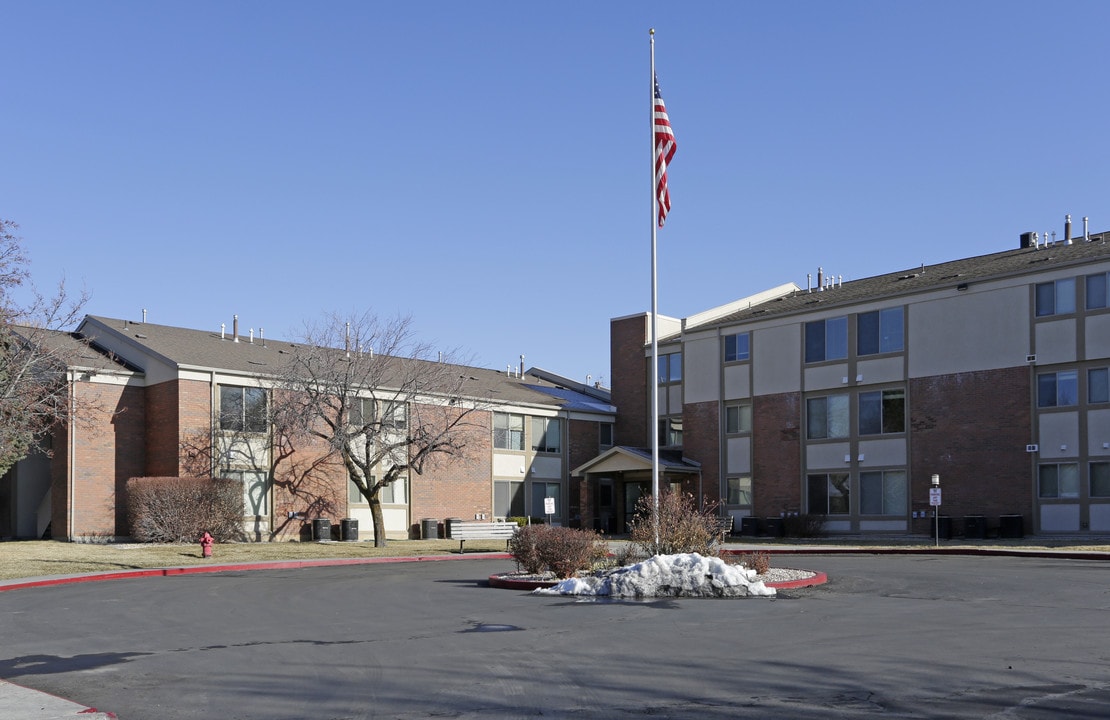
(201, 349)
(927, 277)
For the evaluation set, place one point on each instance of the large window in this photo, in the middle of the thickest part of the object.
(670, 368)
(256, 490)
(364, 411)
(827, 417)
(508, 431)
(881, 331)
(546, 435)
(882, 493)
(1059, 481)
(738, 490)
(541, 491)
(670, 432)
(738, 419)
(605, 434)
(829, 494)
(1098, 385)
(827, 340)
(508, 498)
(1100, 479)
(243, 409)
(737, 347)
(1097, 291)
(882, 412)
(1058, 389)
(1056, 298)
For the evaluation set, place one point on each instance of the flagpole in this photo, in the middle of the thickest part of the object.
(654, 371)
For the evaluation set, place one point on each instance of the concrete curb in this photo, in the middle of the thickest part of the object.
(17, 701)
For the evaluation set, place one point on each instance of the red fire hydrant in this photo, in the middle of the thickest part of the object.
(206, 541)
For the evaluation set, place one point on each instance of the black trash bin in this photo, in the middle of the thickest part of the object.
(1011, 526)
(749, 526)
(448, 524)
(975, 527)
(940, 528)
(321, 529)
(774, 527)
(348, 529)
(429, 528)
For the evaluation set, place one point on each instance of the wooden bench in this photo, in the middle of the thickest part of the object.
(463, 531)
(724, 527)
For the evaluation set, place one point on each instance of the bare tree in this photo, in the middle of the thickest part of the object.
(35, 355)
(375, 396)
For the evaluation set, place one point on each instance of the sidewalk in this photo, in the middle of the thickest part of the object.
(23, 703)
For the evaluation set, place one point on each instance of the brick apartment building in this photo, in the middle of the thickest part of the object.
(161, 395)
(842, 399)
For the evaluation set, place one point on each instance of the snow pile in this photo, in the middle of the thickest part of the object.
(686, 575)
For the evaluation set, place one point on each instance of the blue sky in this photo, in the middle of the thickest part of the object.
(485, 166)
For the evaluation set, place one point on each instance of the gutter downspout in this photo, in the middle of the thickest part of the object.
(71, 470)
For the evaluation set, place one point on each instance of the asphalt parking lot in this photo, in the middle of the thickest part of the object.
(888, 636)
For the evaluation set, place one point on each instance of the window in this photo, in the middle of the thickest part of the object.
(1059, 481)
(546, 435)
(1056, 298)
(670, 431)
(827, 417)
(738, 490)
(540, 491)
(508, 431)
(605, 434)
(354, 495)
(882, 412)
(881, 331)
(1100, 479)
(363, 411)
(508, 498)
(738, 419)
(1098, 385)
(827, 340)
(829, 494)
(737, 347)
(243, 409)
(256, 490)
(396, 492)
(1058, 389)
(670, 368)
(1097, 291)
(882, 493)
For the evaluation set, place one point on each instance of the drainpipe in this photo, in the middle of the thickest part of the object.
(71, 503)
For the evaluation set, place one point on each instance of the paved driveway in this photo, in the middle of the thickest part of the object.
(888, 636)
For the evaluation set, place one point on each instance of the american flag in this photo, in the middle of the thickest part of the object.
(664, 151)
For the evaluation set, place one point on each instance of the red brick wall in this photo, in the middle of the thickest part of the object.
(701, 441)
(308, 480)
(108, 449)
(776, 454)
(162, 438)
(583, 447)
(971, 429)
(628, 372)
(457, 487)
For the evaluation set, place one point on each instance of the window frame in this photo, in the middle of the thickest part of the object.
(545, 433)
(843, 407)
(508, 434)
(1104, 468)
(743, 418)
(888, 423)
(817, 344)
(1059, 291)
(733, 352)
(887, 339)
(893, 492)
(844, 498)
(1056, 467)
(1104, 291)
(1103, 385)
(669, 368)
(1057, 389)
(241, 418)
(737, 489)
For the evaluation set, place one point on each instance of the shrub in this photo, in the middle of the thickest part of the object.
(682, 527)
(174, 509)
(561, 550)
(759, 561)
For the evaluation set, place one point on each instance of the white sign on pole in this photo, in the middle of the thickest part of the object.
(934, 496)
(548, 506)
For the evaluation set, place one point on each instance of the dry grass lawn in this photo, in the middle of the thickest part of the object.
(38, 558)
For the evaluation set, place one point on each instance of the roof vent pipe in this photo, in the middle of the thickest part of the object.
(235, 329)
(252, 336)
(261, 337)
(1067, 229)
(821, 279)
(223, 330)
(521, 366)
(1086, 232)
(809, 282)
(144, 316)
